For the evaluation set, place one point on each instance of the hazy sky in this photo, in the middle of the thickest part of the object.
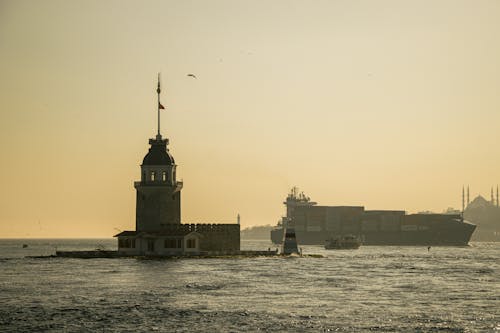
(386, 104)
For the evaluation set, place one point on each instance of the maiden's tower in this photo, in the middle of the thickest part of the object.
(159, 230)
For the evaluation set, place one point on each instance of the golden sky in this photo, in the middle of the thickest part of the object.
(386, 104)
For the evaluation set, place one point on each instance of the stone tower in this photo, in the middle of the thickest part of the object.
(158, 200)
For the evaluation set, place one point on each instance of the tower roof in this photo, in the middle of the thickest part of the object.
(158, 154)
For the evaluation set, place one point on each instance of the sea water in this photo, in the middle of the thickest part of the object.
(372, 289)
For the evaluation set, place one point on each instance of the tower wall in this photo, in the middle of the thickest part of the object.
(157, 206)
(215, 237)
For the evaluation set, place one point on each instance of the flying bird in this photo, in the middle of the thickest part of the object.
(192, 75)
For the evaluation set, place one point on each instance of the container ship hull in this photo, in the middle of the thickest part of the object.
(315, 224)
(457, 235)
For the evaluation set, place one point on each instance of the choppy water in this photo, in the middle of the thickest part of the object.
(373, 289)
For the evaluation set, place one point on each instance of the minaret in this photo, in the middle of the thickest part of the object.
(158, 200)
(468, 197)
(492, 197)
(497, 196)
(463, 200)
(238, 218)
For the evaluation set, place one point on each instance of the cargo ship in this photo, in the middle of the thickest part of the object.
(314, 224)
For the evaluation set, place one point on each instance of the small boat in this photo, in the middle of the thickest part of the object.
(343, 242)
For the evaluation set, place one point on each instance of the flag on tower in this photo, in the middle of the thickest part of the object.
(161, 107)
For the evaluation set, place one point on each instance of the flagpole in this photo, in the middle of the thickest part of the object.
(158, 90)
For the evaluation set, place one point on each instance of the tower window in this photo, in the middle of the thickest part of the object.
(173, 243)
(126, 243)
(164, 176)
(153, 176)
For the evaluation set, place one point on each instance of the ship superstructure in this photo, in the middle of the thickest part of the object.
(293, 200)
(314, 224)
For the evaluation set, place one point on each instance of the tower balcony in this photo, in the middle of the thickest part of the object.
(178, 184)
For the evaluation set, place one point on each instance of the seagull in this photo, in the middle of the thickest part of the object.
(192, 75)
